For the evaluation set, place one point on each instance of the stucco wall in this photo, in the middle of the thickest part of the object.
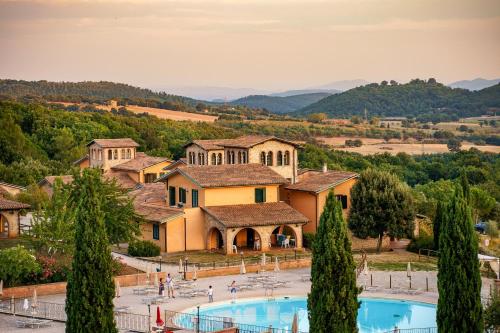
(175, 235)
(341, 189)
(147, 234)
(238, 195)
(156, 169)
(305, 203)
(180, 181)
(195, 229)
(105, 163)
(287, 171)
(12, 216)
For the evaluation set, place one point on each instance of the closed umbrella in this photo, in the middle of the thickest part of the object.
(408, 270)
(118, 289)
(366, 270)
(26, 305)
(1, 287)
(243, 270)
(276, 265)
(159, 321)
(295, 323)
(156, 282)
(195, 274)
(180, 266)
(34, 301)
(263, 260)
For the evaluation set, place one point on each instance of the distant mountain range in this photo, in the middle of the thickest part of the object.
(422, 99)
(214, 94)
(343, 85)
(476, 84)
(278, 104)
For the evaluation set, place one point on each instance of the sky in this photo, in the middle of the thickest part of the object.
(262, 44)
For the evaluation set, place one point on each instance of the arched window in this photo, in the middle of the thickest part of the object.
(128, 154)
(123, 154)
(263, 158)
(115, 154)
(93, 154)
(279, 158)
(287, 158)
(110, 154)
(231, 156)
(201, 159)
(239, 157)
(214, 159)
(99, 152)
(219, 159)
(244, 157)
(270, 158)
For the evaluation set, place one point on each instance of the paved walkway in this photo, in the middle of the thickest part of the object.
(295, 287)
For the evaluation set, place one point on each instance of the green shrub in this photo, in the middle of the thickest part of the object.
(492, 311)
(309, 239)
(18, 265)
(143, 248)
(492, 229)
(424, 241)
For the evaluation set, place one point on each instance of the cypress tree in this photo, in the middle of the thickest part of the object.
(332, 302)
(459, 281)
(436, 224)
(90, 289)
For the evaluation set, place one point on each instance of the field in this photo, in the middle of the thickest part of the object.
(413, 148)
(160, 113)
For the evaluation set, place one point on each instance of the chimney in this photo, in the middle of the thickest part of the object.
(325, 167)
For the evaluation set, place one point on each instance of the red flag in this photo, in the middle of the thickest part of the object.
(159, 322)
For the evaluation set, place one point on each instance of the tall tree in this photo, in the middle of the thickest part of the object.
(381, 205)
(437, 223)
(332, 302)
(459, 281)
(90, 289)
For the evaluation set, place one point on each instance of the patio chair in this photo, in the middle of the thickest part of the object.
(235, 249)
(285, 243)
(256, 244)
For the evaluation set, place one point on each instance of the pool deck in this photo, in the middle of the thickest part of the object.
(295, 287)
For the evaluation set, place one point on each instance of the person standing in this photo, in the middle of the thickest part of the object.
(161, 288)
(170, 286)
(210, 294)
(233, 290)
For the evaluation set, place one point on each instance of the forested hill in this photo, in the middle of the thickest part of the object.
(278, 104)
(424, 100)
(89, 91)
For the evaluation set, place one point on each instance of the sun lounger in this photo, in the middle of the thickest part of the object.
(122, 309)
(305, 277)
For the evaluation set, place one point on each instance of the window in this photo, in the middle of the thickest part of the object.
(123, 154)
(270, 158)
(115, 154)
(239, 157)
(244, 157)
(343, 200)
(191, 158)
(214, 159)
(201, 159)
(194, 198)
(99, 152)
(171, 196)
(287, 158)
(263, 158)
(260, 195)
(182, 195)
(110, 154)
(230, 157)
(128, 154)
(93, 154)
(156, 231)
(150, 177)
(279, 158)
(219, 158)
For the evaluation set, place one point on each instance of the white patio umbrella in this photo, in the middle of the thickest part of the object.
(195, 273)
(118, 289)
(408, 270)
(366, 270)
(295, 323)
(26, 305)
(34, 300)
(148, 273)
(243, 270)
(276, 265)
(263, 260)
(180, 266)
(1, 287)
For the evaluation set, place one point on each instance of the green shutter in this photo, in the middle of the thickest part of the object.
(260, 195)
(171, 195)
(194, 198)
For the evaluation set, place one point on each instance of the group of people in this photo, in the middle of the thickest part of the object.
(169, 284)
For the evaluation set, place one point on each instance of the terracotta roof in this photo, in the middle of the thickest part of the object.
(180, 163)
(247, 141)
(66, 179)
(229, 175)
(9, 204)
(140, 162)
(19, 187)
(122, 178)
(271, 213)
(81, 159)
(149, 202)
(114, 143)
(322, 181)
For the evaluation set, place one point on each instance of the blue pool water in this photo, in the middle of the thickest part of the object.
(374, 315)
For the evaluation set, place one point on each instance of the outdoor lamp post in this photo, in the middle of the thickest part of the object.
(198, 319)
(149, 316)
(185, 267)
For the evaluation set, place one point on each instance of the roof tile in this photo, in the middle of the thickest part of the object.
(322, 181)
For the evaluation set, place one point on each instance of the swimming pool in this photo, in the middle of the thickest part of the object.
(374, 315)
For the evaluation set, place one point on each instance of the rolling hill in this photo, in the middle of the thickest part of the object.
(476, 84)
(425, 100)
(277, 104)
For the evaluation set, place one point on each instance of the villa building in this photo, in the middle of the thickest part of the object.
(10, 211)
(278, 154)
(10, 190)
